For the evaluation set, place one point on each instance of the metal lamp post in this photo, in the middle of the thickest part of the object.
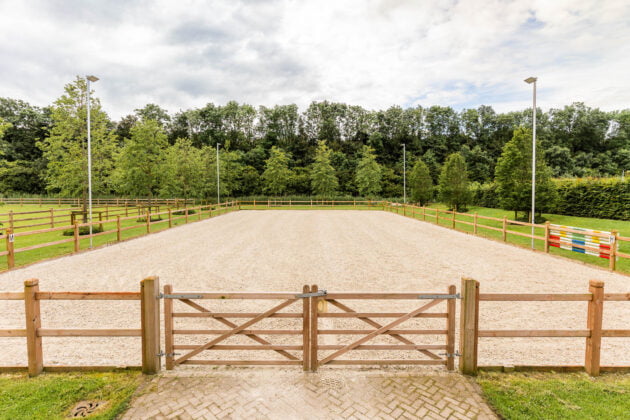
(218, 177)
(404, 173)
(89, 152)
(532, 80)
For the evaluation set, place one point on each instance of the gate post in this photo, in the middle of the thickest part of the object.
(313, 329)
(33, 323)
(594, 325)
(469, 326)
(150, 321)
(306, 330)
(168, 328)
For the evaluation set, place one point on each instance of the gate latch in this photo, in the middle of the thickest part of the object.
(184, 296)
(455, 296)
(312, 294)
(456, 354)
(162, 354)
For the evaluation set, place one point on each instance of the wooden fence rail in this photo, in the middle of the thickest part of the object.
(439, 215)
(593, 333)
(149, 324)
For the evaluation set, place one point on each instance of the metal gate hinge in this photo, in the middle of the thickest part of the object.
(312, 294)
(455, 296)
(456, 354)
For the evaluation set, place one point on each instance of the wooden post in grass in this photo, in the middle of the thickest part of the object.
(168, 328)
(150, 324)
(454, 215)
(450, 329)
(52, 218)
(106, 211)
(612, 261)
(547, 233)
(118, 228)
(594, 325)
(424, 214)
(10, 249)
(504, 231)
(313, 329)
(148, 221)
(437, 216)
(100, 220)
(475, 223)
(11, 219)
(126, 209)
(186, 213)
(33, 324)
(469, 326)
(170, 217)
(76, 236)
(306, 330)
(199, 212)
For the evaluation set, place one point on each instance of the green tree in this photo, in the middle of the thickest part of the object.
(513, 176)
(277, 174)
(65, 148)
(369, 174)
(4, 126)
(182, 170)
(454, 182)
(421, 183)
(138, 171)
(323, 179)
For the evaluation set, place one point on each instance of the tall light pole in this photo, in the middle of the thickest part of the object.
(89, 152)
(532, 80)
(404, 173)
(218, 177)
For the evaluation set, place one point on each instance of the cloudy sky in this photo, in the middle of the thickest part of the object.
(374, 53)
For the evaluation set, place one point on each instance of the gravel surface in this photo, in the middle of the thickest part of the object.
(339, 251)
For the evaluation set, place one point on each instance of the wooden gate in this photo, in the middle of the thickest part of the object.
(296, 340)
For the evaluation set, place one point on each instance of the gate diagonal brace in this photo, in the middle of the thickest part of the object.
(312, 294)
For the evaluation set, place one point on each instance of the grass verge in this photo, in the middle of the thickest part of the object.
(557, 396)
(53, 395)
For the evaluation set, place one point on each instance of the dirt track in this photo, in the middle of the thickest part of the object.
(338, 250)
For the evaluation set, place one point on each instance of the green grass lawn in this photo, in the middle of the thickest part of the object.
(557, 396)
(623, 264)
(54, 395)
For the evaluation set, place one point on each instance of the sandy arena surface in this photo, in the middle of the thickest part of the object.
(339, 251)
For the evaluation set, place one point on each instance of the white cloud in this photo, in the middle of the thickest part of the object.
(373, 53)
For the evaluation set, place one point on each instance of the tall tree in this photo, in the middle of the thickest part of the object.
(369, 175)
(153, 112)
(182, 170)
(65, 148)
(277, 174)
(138, 169)
(513, 176)
(4, 126)
(324, 182)
(421, 183)
(454, 188)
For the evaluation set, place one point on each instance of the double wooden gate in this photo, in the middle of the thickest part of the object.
(305, 328)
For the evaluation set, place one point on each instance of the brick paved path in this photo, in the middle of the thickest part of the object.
(290, 394)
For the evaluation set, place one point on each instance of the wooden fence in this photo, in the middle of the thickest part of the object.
(470, 331)
(11, 238)
(273, 203)
(41, 201)
(149, 330)
(476, 222)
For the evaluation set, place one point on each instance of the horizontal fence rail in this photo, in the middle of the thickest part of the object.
(553, 236)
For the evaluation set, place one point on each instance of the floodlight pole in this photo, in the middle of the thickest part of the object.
(532, 80)
(89, 152)
(404, 173)
(218, 177)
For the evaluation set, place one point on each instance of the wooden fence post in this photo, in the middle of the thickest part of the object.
(475, 223)
(306, 330)
(100, 220)
(150, 324)
(450, 329)
(76, 236)
(200, 209)
(547, 233)
(52, 218)
(10, 248)
(612, 261)
(469, 326)
(168, 329)
(106, 212)
(170, 217)
(437, 216)
(11, 219)
(118, 236)
(504, 232)
(148, 221)
(454, 215)
(33, 324)
(186, 213)
(594, 325)
(313, 330)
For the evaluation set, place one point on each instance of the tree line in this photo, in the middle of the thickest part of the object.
(329, 148)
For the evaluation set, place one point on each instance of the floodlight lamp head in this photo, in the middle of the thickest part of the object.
(531, 80)
(92, 78)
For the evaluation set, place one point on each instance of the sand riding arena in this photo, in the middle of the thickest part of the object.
(283, 250)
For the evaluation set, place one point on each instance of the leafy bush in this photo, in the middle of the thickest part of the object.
(484, 195)
(153, 219)
(604, 198)
(83, 230)
(183, 212)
